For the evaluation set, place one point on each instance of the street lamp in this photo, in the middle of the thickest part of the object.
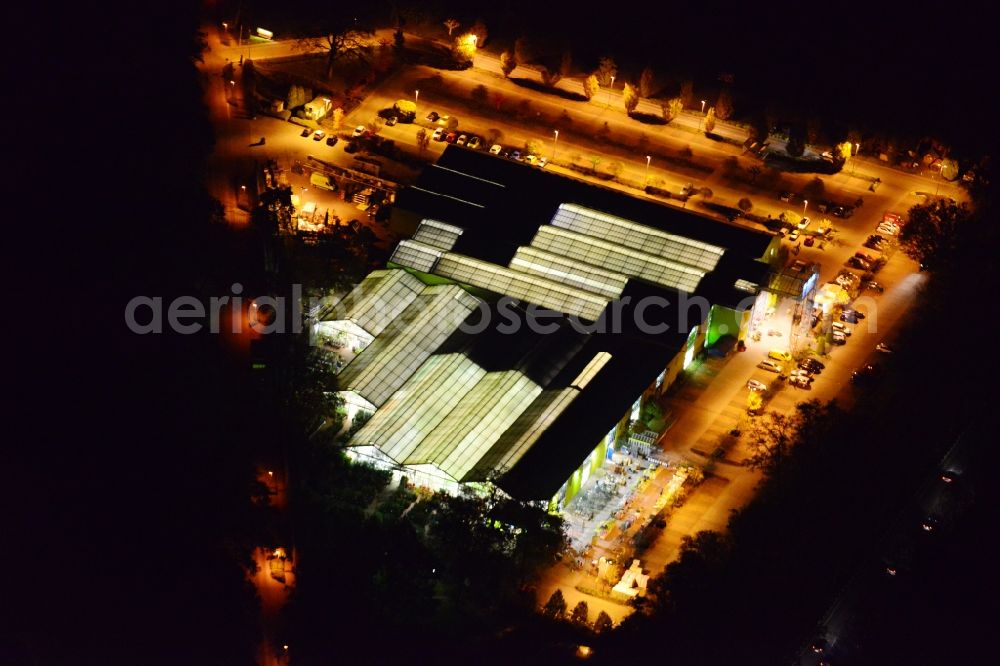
(610, 88)
(703, 106)
(805, 204)
(649, 158)
(555, 142)
(416, 101)
(854, 162)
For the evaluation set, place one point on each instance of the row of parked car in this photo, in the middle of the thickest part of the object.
(473, 142)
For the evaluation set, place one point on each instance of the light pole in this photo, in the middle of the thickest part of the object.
(555, 142)
(805, 204)
(649, 158)
(701, 120)
(609, 90)
(416, 101)
(703, 106)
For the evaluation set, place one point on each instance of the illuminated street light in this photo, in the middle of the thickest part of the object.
(805, 205)
(555, 142)
(649, 158)
(703, 106)
(416, 100)
(610, 88)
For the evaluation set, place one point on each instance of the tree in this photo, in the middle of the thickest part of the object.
(606, 69)
(479, 30)
(464, 49)
(452, 123)
(813, 129)
(594, 161)
(508, 63)
(724, 105)
(745, 205)
(493, 136)
(375, 125)
(345, 41)
(706, 192)
(399, 41)
(687, 93)
(758, 130)
(603, 133)
(710, 121)
(591, 86)
(550, 77)
(479, 95)
(451, 24)
(555, 607)
(603, 622)
(580, 614)
(646, 82)
(844, 151)
(671, 108)
(795, 146)
(533, 147)
(770, 439)
(337, 118)
(615, 168)
(630, 97)
(422, 139)
(297, 96)
(523, 52)
(934, 231)
(566, 64)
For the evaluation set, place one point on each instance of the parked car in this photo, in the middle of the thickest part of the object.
(865, 257)
(433, 116)
(800, 381)
(843, 328)
(451, 137)
(839, 338)
(815, 362)
(331, 140)
(812, 365)
(515, 155)
(438, 134)
(306, 132)
(842, 211)
(495, 149)
(803, 223)
(874, 286)
(860, 264)
(794, 236)
(391, 120)
(350, 147)
(849, 317)
(475, 143)
(358, 131)
(883, 348)
(809, 241)
(462, 140)
(856, 313)
(755, 385)
(787, 197)
(542, 162)
(780, 355)
(318, 136)
(770, 366)
(531, 159)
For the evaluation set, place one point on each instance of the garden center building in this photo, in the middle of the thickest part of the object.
(518, 331)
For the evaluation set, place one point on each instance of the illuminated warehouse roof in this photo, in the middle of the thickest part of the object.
(463, 403)
(377, 300)
(383, 366)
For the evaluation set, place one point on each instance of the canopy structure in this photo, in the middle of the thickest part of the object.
(416, 333)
